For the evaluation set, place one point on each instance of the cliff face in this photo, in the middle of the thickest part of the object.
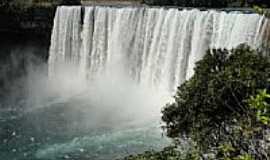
(29, 16)
(36, 16)
(35, 20)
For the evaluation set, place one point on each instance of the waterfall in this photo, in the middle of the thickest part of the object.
(65, 39)
(155, 47)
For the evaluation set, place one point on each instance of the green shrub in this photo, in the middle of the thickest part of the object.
(213, 100)
(219, 110)
(261, 106)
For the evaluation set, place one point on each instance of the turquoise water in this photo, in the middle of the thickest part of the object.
(63, 131)
(39, 120)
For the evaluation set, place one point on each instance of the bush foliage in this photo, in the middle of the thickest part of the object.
(216, 92)
(224, 109)
(212, 107)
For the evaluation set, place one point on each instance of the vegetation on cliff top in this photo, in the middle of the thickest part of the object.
(182, 3)
(210, 3)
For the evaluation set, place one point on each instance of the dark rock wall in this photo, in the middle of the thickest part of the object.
(33, 17)
(33, 20)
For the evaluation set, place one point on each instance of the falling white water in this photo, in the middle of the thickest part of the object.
(112, 69)
(65, 39)
(154, 47)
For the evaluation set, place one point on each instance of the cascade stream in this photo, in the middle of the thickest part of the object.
(155, 47)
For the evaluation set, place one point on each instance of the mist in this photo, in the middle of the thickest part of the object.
(68, 112)
(110, 99)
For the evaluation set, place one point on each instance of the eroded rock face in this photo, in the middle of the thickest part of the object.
(27, 16)
(33, 20)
